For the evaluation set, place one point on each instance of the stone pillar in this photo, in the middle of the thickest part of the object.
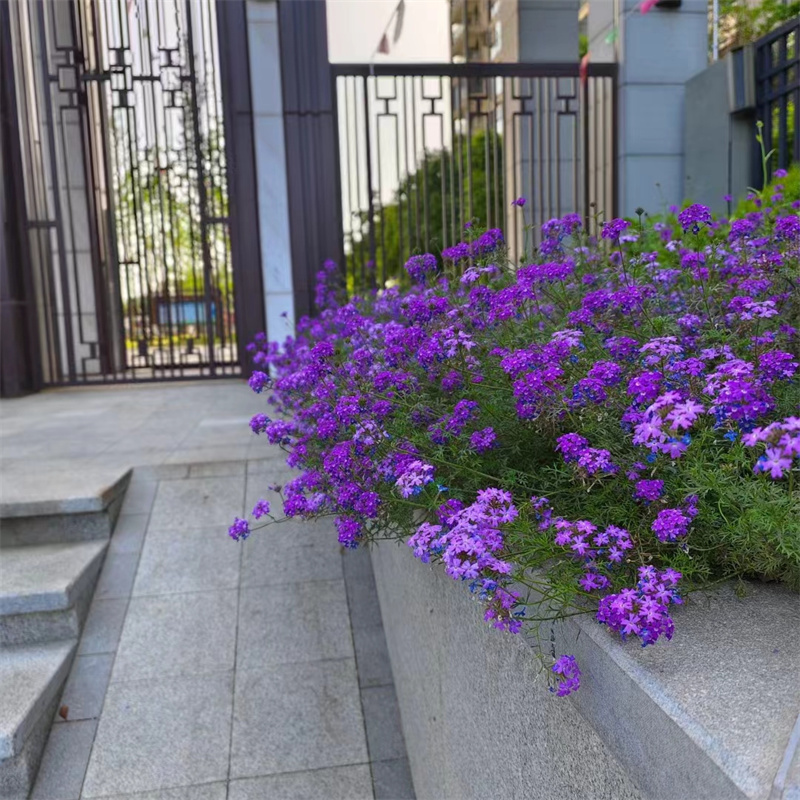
(548, 30)
(270, 157)
(658, 53)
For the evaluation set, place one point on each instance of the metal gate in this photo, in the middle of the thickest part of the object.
(425, 149)
(777, 64)
(125, 188)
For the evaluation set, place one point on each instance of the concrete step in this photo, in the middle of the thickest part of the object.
(67, 507)
(31, 680)
(45, 590)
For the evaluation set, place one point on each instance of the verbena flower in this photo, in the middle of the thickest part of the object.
(694, 216)
(567, 668)
(617, 378)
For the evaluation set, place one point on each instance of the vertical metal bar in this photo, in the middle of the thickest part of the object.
(469, 148)
(583, 208)
(614, 146)
(370, 200)
(201, 188)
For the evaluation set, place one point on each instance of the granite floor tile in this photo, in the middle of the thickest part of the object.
(103, 626)
(336, 783)
(64, 761)
(161, 733)
(222, 469)
(86, 686)
(382, 721)
(294, 717)
(392, 780)
(116, 579)
(293, 622)
(184, 634)
(372, 656)
(197, 502)
(139, 495)
(203, 455)
(272, 556)
(187, 560)
(207, 791)
(128, 533)
(362, 595)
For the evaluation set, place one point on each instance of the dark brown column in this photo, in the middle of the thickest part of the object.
(20, 371)
(312, 157)
(242, 187)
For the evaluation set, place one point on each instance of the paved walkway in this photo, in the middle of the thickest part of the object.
(209, 670)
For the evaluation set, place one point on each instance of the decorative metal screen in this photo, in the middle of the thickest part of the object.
(778, 94)
(121, 126)
(425, 150)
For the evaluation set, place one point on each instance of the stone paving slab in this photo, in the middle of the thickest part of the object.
(187, 560)
(293, 717)
(336, 783)
(176, 635)
(294, 622)
(161, 733)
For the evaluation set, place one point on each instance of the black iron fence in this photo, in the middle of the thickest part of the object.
(777, 57)
(124, 188)
(427, 149)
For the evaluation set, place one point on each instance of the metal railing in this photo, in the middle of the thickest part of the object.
(777, 57)
(427, 149)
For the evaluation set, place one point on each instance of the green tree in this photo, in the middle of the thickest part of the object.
(431, 205)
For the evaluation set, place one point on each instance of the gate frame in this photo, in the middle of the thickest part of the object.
(21, 364)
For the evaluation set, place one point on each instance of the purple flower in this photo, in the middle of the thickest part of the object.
(520, 201)
(258, 380)
(694, 216)
(416, 475)
(258, 424)
(567, 668)
(261, 509)
(613, 230)
(648, 490)
(483, 440)
(671, 524)
(240, 530)
(419, 267)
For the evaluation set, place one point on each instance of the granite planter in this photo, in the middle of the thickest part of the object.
(712, 715)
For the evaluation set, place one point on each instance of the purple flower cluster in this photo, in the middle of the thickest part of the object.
(593, 461)
(613, 230)
(782, 446)
(419, 267)
(694, 216)
(468, 541)
(648, 491)
(643, 611)
(567, 668)
(676, 353)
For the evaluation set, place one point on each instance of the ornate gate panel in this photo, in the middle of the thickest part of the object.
(126, 196)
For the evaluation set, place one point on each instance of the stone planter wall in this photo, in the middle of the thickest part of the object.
(711, 715)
